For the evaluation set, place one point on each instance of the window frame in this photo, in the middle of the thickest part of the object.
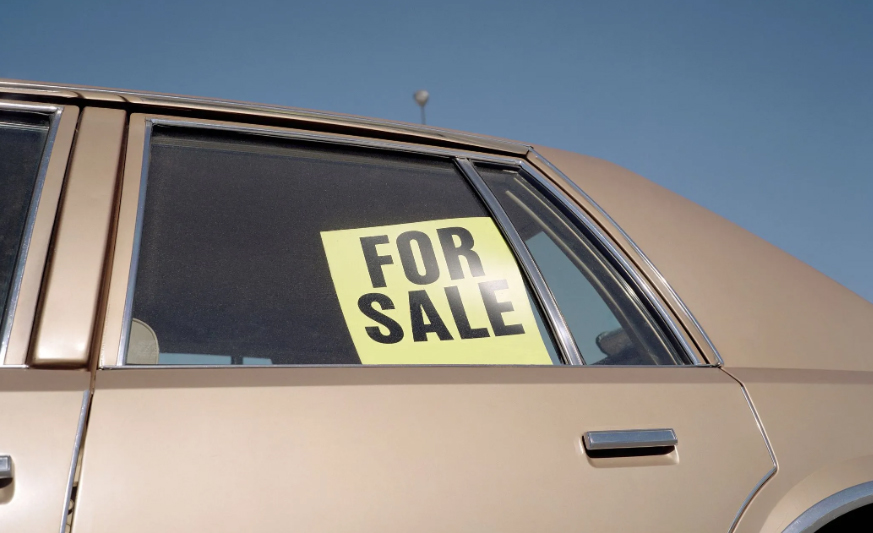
(24, 290)
(119, 301)
(646, 275)
(577, 218)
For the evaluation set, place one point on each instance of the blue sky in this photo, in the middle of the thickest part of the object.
(761, 111)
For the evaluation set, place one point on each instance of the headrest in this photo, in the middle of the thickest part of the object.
(142, 349)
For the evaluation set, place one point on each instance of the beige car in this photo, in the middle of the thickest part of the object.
(226, 317)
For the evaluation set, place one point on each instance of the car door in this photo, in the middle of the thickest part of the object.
(41, 410)
(321, 332)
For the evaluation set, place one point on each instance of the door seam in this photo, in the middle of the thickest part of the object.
(772, 472)
(94, 350)
(69, 500)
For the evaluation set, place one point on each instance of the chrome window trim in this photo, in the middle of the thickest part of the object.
(542, 293)
(462, 158)
(633, 276)
(663, 281)
(427, 132)
(329, 138)
(313, 118)
(127, 313)
(54, 112)
(287, 366)
(832, 507)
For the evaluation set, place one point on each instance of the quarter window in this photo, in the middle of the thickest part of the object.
(608, 322)
(22, 141)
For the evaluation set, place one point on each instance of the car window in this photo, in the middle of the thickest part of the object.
(22, 140)
(608, 322)
(259, 250)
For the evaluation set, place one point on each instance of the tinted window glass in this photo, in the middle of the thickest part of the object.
(22, 139)
(267, 251)
(606, 318)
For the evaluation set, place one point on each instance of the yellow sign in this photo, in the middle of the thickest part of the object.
(435, 292)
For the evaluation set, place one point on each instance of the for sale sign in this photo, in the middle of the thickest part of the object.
(435, 292)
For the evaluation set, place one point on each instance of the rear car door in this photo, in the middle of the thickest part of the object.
(41, 410)
(329, 333)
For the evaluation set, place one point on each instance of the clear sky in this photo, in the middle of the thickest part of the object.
(761, 111)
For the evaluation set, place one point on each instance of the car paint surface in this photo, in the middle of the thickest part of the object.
(799, 341)
(438, 448)
(40, 413)
(393, 448)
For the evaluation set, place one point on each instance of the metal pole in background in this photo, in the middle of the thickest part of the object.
(421, 98)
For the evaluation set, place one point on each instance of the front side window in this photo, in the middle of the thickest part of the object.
(257, 250)
(22, 141)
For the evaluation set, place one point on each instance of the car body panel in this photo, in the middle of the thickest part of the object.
(75, 275)
(760, 306)
(819, 453)
(40, 413)
(797, 340)
(394, 448)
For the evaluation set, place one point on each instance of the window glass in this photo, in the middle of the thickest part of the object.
(22, 140)
(255, 250)
(606, 318)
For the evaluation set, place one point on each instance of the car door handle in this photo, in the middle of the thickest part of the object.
(5, 467)
(629, 439)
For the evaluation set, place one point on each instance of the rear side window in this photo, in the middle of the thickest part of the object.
(22, 141)
(607, 320)
(255, 250)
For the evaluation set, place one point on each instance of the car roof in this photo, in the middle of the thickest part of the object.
(154, 101)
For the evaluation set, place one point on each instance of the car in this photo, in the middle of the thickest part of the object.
(220, 316)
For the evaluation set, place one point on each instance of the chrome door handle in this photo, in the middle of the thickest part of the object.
(629, 439)
(5, 467)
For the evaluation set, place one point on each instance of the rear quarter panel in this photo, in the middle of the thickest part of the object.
(821, 429)
(801, 343)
